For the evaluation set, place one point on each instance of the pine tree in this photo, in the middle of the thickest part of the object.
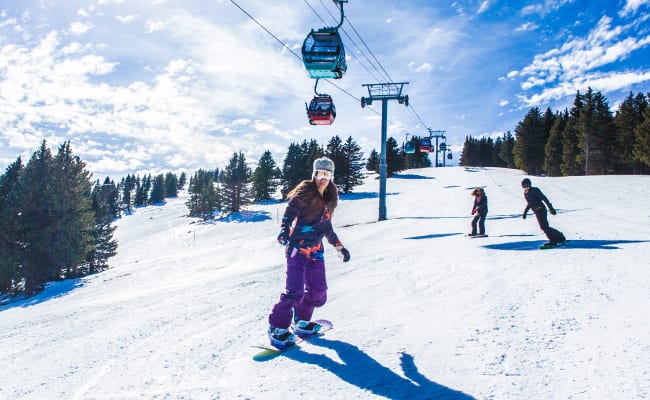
(264, 178)
(182, 180)
(628, 117)
(140, 196)
(104, 246)
(334, 151)
(157, 195)
(553, 148)
(530, 139)
(39, 221)
(74, 217)
(596, 134)
(293, 169)
(10, 213)
(394, 158)
(504, 152)
(111, 196)
(204, 196)
(128, 184)
(171, 185)
(310, 151)
(235, 193)
(350, 166)
(486, 152)
(373, 161)
(642, 139)
(570, 149)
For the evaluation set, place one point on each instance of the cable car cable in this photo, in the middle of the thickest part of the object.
(370, 51)
(267, 31)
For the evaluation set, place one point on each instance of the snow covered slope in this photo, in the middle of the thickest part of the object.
(420, 312)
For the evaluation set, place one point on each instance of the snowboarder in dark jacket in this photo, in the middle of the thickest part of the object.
(535, 200)
(306, 222)
(479, 210)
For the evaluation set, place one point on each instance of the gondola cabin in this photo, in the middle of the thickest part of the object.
(323, 54)
(409, 147)
(321, 110)
(425, 145)
(449, 156)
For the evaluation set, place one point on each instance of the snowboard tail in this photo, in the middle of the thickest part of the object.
(269, 352)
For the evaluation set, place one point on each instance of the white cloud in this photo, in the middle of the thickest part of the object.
(528, 26)
(545, 8)
(483, 7)
(504, 103)
(603, 46)
(604, 82)
(154, 25)
(125, 19)
(423, 67)
(632, 6)
(80, 27)
(8, 22)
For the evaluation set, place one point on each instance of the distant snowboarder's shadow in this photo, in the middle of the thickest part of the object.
(359, 369)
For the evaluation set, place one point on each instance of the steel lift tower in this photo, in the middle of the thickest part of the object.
(384, 92)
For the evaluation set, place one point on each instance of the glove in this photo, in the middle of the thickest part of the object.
(344, 254)
(552, 210)
(282, 239)
(523, 216)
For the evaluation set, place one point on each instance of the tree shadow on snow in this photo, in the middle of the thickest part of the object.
(433, 236)
(359, 369)
(358, 195)
(53, 290)
(573, 244)
(246, 216)
(411, 176)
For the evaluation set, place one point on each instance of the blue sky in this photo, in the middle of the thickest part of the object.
(160, 85)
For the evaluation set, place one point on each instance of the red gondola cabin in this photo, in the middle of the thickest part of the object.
(321, 110)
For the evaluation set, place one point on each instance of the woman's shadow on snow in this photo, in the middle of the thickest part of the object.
(359, 369)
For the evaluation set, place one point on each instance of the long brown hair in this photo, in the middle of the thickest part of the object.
(477, 191)
(307, 191)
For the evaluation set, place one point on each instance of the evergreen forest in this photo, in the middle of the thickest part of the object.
(587, 139)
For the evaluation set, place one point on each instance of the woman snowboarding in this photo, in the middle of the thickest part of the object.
(306, 221)
(535, 201)
(479, 210)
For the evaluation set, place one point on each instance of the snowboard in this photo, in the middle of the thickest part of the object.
(476, 236)
(548, 246)
(268, 352)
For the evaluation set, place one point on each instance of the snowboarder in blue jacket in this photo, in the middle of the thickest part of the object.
(535, 201)
(479, 210)
(306, 221)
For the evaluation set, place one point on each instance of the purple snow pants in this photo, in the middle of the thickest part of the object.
(306, 288)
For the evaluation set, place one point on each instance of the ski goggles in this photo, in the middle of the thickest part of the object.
(322, 174)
